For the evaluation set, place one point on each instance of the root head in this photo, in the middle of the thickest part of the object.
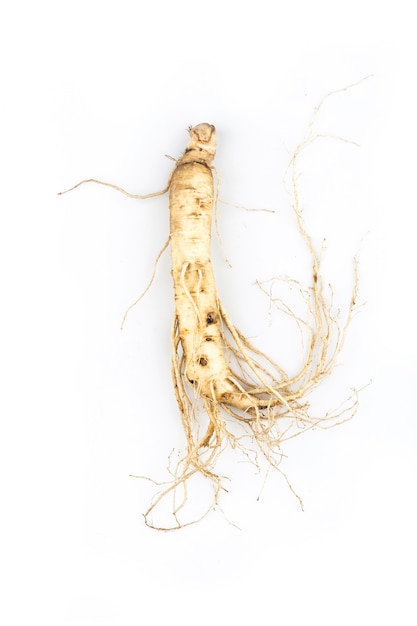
(203, 139)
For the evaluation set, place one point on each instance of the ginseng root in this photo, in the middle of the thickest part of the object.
(216, 371)
(212, 360)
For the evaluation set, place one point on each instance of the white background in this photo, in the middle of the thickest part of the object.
(105, 89)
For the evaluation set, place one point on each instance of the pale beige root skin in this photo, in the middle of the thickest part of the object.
(215, 368)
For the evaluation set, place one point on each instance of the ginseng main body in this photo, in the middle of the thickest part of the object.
(197, 313)
(198, 310)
